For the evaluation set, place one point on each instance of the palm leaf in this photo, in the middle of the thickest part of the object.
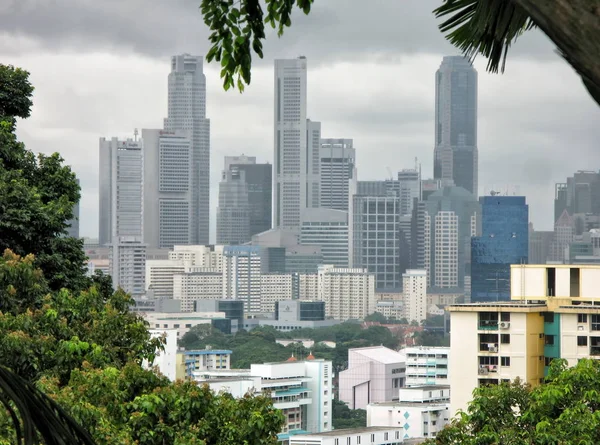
(36, 417)
(486, 27)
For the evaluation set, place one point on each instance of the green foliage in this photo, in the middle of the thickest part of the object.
(431, 338)
(562, 411)
(16, 91)
(377, 317)
(238, 29)
(344, 417)
(135, 406)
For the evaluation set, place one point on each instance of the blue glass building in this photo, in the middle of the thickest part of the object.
(504, 241)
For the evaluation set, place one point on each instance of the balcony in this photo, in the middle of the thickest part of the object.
(487, 369)
(595, 350)
(488, 325)
(488, 347)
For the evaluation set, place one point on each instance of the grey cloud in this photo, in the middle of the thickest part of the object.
(335, 29)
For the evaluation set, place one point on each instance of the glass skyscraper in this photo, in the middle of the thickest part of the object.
(504, 241)
(456, 155)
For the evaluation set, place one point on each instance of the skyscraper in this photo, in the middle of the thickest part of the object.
(296, 146)
(504, 241)
(259, 181)
(121, 194)
(338, 168)
(73, 229)
(409, 189)
(168, 188)
(233, 212)
(187, 111)
(327, 228)
(455, 154)
(241, 275)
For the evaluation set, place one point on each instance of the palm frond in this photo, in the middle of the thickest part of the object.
(486, 27)
(36, 417)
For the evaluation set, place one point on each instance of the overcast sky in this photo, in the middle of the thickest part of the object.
(100, 69)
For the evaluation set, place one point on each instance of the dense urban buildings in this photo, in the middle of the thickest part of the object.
(414, 287)
(504, 241)
(233, 211)
(456, 155)
(187, 112)
(327, 228)
(426, 366)
(297, 145)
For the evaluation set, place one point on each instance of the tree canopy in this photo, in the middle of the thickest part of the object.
(74, 337)
(485, 27)
(564, 410)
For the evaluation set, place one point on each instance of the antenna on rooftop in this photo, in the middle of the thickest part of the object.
(135, 134)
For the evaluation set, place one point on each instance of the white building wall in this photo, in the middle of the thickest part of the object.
(427, 366)
(416, 419)
(446, 249)
(166, 360)
(273, 288)
(415, 294)
(159, 276)
(347, 293)
(182, 322)
(195, 284)
(361, 436)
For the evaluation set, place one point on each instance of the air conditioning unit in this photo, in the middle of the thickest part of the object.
(504, 324)
(483, 369)
(492, 348)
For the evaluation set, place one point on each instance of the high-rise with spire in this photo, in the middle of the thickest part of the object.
(187, 111)
(456, 156)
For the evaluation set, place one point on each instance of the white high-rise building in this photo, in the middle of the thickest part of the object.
(296, 146)
(196, 283)
(168, 188)
(349, 294)
(187, 111)
(446, 249)
(273, 288)
(121, 189)
(127, 264)
(241, 275)
(415, 294)
(338, 171)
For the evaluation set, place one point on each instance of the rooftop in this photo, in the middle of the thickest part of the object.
(426, 387)
(352, 431)
(380, 354)
(433, 404)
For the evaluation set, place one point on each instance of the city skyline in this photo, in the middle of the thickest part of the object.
(538, 97)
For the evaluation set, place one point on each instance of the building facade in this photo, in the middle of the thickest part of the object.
(196, 283)
(338, 171)
(241, 275)
(351, 436)
(73, 223)
(349, 294)
(233, 211)
(187, 112)
(374, 374)
(296, 146)
(327, 228)
(456, 155)
(127, 264)
(553, 313)
(274, 288)
(427, 366)
(415, 294)
(504, 241)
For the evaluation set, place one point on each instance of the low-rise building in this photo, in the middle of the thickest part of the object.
(166, 359)
(198, 361)
(182, 322)
(421, 411)
(294, 314)
(351, 436)
(374, 374)
(427, 365)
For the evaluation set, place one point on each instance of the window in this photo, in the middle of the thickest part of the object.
(505, 339)
(581, 318)
(595, 322)
(175, 326)
(348, 440)
(358, 440)
(551, 280)
(549, 340)
(582, 341)
(504, 361)
(337, 441)
(373, 438)
(385, 436)
(504, 316)
(547, 361)
(548, 317)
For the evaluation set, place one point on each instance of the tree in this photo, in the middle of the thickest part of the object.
(564, 410)
(344, 417)
(486, 27)
(377, 317)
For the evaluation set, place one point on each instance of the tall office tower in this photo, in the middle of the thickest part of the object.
(73, 229)
(187, 111)
(504, 241)
(168, 188)
(327, 228)
(241, 275)
(259, 181)
(455, 154)
(415, 294)
(564, 234)
(338, 169)
(296, 146)
(233, 212)
(375, 238)
(448, 220)
(409, 188)
(121, 193)
(539, 245)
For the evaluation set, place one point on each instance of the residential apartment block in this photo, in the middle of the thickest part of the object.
(347, 293)
(427, 365)
(554, 312)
